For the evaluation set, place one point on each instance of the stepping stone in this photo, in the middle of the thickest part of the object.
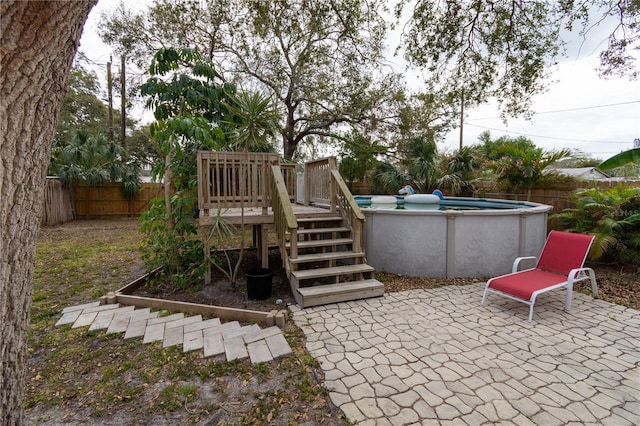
(213, 322)
(68, 318)
(221, 328)
(104, 318)
(120, 323)
(261, 334)
(137, 325)
(156, 326)
(278, 345)
(88, 315)
(240, 332)
(85, 319)
(153, 333)
(80, 307)
(212, 338)
(172, 336)
(213, 345)
(184, 321)
(193, 340)
(168, 318)
(259, 352)
(234, 348)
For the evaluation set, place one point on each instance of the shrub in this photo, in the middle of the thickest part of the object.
(612, 216)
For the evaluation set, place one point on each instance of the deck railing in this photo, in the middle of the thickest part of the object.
(289, 172)
(285, 220)
(234, 179)
(246, 179)
(324, 185)
(319, 187)
(351, 212)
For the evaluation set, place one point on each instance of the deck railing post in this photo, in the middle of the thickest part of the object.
(333, 193)
(307, 185)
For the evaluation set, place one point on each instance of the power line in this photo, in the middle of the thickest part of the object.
(566, 110)
(547, 137)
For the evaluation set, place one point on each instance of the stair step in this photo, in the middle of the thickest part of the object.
(306, 231)
(307, 274)
(322, 243)
(319, 219)
(333, 293)
(319, 257)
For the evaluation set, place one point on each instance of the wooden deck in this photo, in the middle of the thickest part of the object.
(320, 241)
(256, 216)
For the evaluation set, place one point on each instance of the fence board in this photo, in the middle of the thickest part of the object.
(108, 200)
(556, 195)
(58, 207)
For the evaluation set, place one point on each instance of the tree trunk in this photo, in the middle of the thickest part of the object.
(168, 181)
(38, 42)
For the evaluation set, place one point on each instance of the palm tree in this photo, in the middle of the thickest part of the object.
(520, 167)
(458, 171)
(254, 122)
(94, 160)
(422, 169)
(612, 216)
(387, 179)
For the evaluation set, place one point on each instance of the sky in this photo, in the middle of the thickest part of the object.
(580, 110)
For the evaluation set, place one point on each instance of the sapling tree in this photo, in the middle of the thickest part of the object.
(189, 111)
(195, 111)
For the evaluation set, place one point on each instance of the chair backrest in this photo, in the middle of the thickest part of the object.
(564, 251)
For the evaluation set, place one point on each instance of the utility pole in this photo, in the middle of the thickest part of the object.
(461, 115)
(110, 93)
(123, 104)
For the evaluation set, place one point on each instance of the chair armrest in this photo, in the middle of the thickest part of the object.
(580, 274)
(516, 263)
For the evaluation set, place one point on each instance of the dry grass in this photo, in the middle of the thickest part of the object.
(77, 376)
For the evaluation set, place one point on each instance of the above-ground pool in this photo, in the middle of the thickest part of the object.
(465, 237)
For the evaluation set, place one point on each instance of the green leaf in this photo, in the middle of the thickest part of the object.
(619, 160)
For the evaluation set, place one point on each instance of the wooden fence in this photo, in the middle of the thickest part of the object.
(62, 205)
(556, 195)
(107, 200)
(58, 206)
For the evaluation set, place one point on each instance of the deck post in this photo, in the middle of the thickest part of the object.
(261, 244)
(264, 246)
(333, 193)
(207, 257)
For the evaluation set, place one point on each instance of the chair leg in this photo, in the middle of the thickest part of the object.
(594, 284)
(567, 305)
(531, 311)
(484, 295)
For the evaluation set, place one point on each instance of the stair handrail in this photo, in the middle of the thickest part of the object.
(350, 209)
(283, 216)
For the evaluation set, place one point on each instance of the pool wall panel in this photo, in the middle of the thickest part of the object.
(453, 243)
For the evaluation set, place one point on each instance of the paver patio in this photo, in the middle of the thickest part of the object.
(437, 356)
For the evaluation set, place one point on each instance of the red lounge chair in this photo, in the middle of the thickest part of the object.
(560, 265)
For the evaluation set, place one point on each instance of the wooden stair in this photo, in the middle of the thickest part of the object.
(327, 269)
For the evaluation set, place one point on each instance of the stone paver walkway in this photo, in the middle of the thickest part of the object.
(439, 357)
(193, 333)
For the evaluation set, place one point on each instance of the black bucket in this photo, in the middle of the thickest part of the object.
(259, 283)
